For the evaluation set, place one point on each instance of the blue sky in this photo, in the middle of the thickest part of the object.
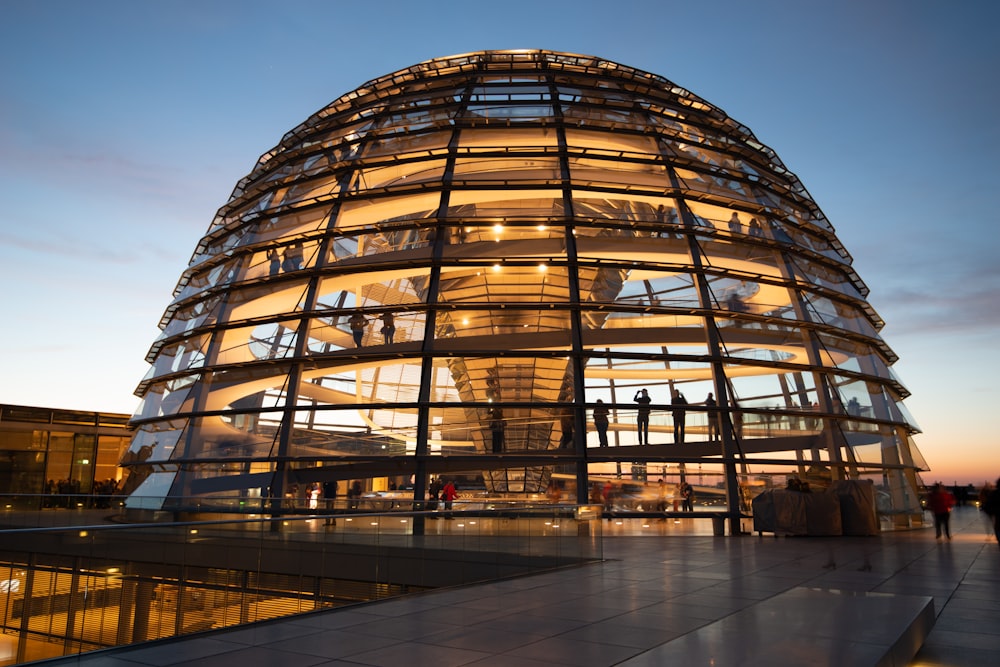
(124, 126)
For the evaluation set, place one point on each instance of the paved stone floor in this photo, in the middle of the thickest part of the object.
(655, 600)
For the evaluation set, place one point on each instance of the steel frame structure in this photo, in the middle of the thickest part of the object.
(517, 234)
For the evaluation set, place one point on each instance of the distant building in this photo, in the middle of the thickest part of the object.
(443, 270)
(76, 450)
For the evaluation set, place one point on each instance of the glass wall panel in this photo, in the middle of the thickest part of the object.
(291, 224)
(398, 173)
(532, 169)
(372, 212)
(274, 340)
(824, 276)
(182, 355)
(501, 139)
(192, 316)
(517, 204)
(154, 442)
(839, 314)
(222, 389)
(265, 300)
(168, 397)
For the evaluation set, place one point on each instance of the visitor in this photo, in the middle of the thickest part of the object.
(679, 414)
(991, 506)
(687, 497)
(608, 495)
(388, 327)
(357, 324)
(448, 495)
(734, 224)
(497, 428)
(713, 417)
(642, 415)
(330, 495)
(601, 422)
(566, 427)
(939, 502)
(354, 495)
(433, 492)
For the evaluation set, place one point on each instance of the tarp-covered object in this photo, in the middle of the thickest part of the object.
(822, 514)
(857, 506)
(846, 508)
(781, 512)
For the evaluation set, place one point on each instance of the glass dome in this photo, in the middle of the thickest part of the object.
(449, 270)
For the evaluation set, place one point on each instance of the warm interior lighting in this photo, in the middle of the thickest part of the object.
(446, 342)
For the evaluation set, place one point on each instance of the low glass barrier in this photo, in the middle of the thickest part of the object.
(69, 590)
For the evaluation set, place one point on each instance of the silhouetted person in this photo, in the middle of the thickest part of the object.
(357, 324)
(330, 495)
(274, 262)
(939, 502)
(687, 497)
(433, 492)
(566, 427)
(991, 506)
(388, 327)
(642, 415)
(601, 422)
(354, 495)
(448, 495)
(734, 224)
(679, 414)
(497, 427)
(713, 417)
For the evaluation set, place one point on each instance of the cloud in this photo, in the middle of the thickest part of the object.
(962, 300)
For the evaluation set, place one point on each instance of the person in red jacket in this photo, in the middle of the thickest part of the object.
(448, 495)
(939, 502)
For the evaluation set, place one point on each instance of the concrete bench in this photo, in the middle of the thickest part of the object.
(807, 626)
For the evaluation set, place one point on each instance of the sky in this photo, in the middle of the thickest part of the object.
(125, 125)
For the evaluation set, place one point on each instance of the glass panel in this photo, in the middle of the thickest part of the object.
(183, 355)
(506, 169)
(229, 388)
(398, 173)
(507, 284)
(503, 139)
(839, 314)
(265, 300)
(616, 172)
(168, 398)
(372, 212)
(192, 316)
(153, 442)
(407, 145)
(274, 340)
(292, 224)
(504, 204)
(824, 276)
